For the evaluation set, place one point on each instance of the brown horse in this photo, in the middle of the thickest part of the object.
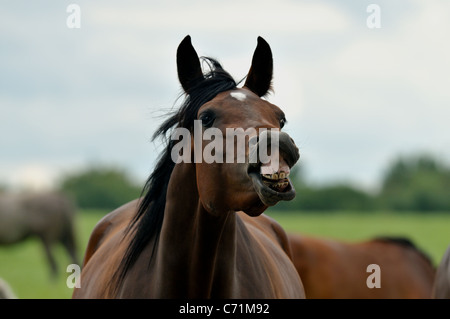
(199, 231)
(47, 216)
(339, 270)
(441, 289)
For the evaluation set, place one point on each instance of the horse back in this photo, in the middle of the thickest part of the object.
(108, 227)
(337, 269)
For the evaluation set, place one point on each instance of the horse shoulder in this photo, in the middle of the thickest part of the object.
(271, 228)
(275, 251)
(108, 226)
(103, 253)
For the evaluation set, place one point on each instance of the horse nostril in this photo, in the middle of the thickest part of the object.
(288, 149)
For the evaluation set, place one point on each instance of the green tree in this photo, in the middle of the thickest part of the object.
(335, 196)
(100, 187)
(417, 182)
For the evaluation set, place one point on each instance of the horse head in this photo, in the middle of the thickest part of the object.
(235, 129)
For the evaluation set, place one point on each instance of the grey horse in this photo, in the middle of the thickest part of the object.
(47, 216)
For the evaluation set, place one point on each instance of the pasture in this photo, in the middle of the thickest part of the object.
(25, 267)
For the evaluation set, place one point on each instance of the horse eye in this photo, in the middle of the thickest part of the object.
(282, 122)
(207, 119)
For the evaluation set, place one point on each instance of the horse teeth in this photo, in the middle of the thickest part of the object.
(276, 176)
(271, 176)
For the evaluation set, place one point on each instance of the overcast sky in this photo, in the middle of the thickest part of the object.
(355, 97)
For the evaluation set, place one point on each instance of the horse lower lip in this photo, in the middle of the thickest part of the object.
(277, 185)
(269, 196)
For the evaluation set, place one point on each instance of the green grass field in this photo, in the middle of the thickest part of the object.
(25, 268)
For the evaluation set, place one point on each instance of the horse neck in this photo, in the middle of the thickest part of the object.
(196, 250)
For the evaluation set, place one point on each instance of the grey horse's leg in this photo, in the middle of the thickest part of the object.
(50, 258)
(69, 242)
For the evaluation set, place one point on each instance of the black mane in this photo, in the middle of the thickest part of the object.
(405, 242)
(148, 220)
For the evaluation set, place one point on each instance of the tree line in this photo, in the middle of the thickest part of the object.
(100, 187)
(410, 183)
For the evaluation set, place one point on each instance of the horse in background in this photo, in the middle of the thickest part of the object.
(441, 289)
(47, 216)
(332, 269)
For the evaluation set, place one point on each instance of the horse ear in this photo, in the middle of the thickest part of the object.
(188, 64)
(259, 78)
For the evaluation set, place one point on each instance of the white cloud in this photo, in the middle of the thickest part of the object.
(353, 96)
(382, 93)
(415, 53)
(232, 16)
(33, 176)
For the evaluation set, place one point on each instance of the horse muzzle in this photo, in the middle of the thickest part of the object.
(271, 156)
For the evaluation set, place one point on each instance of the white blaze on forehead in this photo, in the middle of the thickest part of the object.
(238, 96)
